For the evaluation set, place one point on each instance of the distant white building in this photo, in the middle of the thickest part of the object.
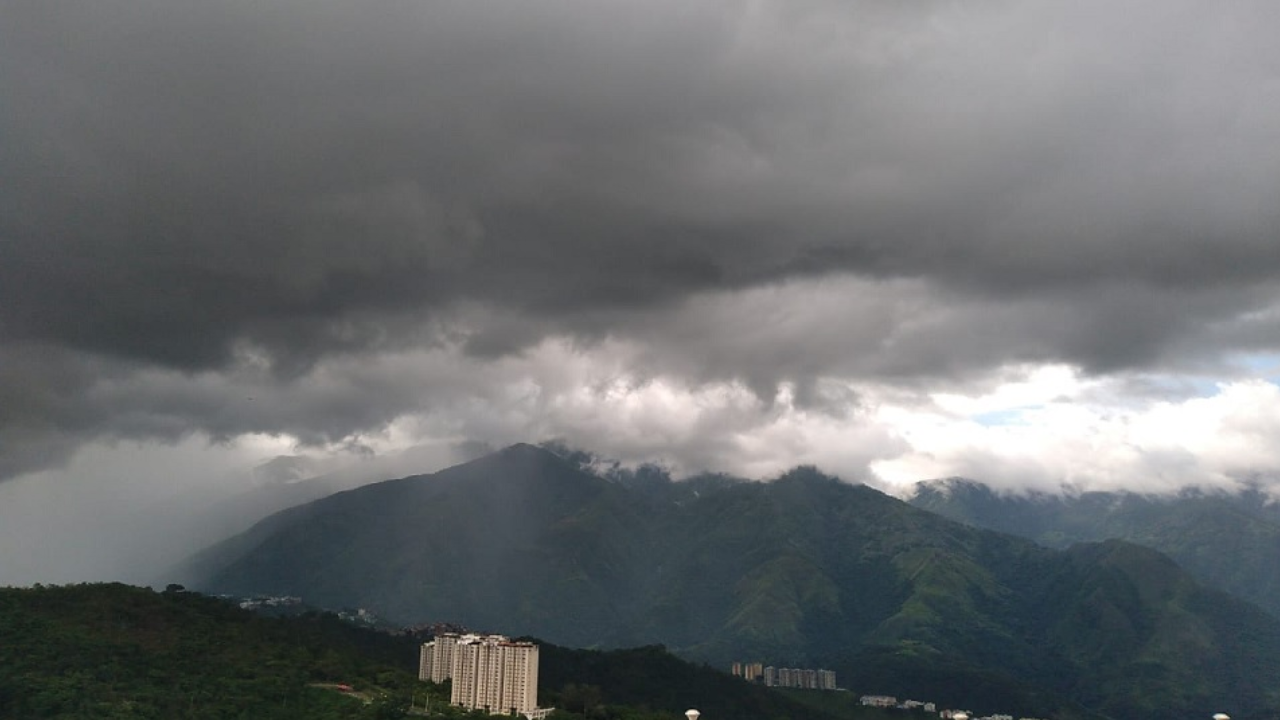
(772, 676)
(489, 672)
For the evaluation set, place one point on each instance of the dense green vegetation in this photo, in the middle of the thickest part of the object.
(1228, 541)
(115, 651)
(652, 682)
(804, 571)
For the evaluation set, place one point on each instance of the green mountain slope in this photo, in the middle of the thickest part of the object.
(1227, 541)
(514, 540)
(803, 571)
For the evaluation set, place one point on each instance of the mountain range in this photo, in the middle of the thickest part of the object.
(1229, 541)
(801, 571)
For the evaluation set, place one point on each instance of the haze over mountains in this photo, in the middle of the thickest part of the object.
(803, 570)
(1227, 540)
(140, 516)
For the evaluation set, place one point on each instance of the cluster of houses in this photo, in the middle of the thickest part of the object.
(888, 701)
(259, 602)
(293, 605)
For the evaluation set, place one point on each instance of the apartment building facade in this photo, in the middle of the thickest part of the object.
(488, 672)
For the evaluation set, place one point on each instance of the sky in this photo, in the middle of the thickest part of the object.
(1032, 243)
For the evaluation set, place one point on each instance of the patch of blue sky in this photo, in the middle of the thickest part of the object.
(1262, 365)
(1195, 385)
(1005, 417)
(1141, 389)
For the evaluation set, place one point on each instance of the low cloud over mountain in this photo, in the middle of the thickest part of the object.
(1016, 241)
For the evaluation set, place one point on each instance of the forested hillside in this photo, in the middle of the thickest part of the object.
(1230, 541)
(803, 571)
(115, 651)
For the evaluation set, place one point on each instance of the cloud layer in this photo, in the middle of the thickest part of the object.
(738, 235)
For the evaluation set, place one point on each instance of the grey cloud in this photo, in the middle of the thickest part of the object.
(188, 190)
(917, 334)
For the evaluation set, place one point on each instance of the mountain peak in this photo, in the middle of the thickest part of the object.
(523, 458)
(523, 449)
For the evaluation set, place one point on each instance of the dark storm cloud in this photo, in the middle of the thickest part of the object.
(227, 187)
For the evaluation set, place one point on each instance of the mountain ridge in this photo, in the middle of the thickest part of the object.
(804, 570)
(1226, 540)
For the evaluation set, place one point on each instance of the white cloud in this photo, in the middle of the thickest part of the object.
(1066, 432)
(123, 510)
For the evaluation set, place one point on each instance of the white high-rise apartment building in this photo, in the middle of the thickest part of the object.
(519, 676)
(489, 672)
(477, 673)
(436, 661)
